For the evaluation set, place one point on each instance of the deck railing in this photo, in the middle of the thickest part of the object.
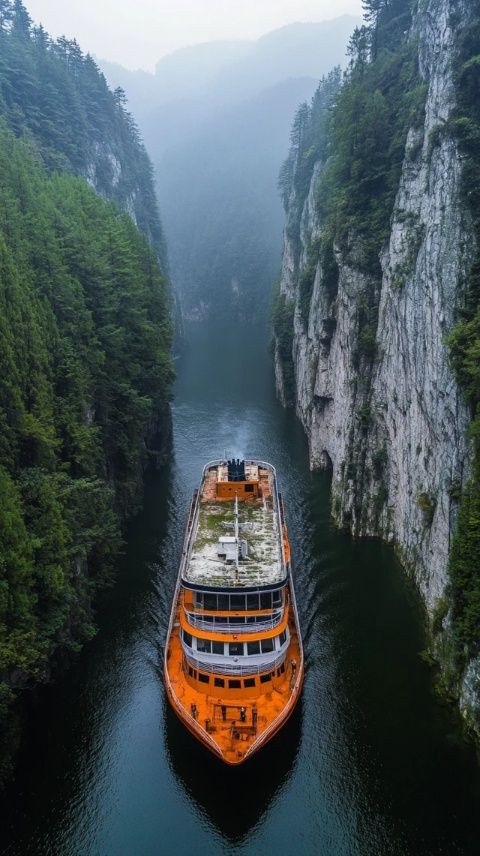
(216, 626)
(231, 668)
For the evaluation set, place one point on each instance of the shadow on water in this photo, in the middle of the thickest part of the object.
(234, 800)
(65, 750)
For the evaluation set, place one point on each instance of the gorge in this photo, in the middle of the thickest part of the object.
(366, 401)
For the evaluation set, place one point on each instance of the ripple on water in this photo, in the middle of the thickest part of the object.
(366, 765)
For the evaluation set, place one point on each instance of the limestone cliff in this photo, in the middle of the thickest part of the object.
(373, 383)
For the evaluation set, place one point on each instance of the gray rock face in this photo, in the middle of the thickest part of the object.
(396, 437)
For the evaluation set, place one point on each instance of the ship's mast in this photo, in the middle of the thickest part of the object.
(237, 543)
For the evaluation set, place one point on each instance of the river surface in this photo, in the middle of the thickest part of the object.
(369, 764)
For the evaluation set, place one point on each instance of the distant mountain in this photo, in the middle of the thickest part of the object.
(218, 194)
(216, 120)
(184, 75)
(296, 50)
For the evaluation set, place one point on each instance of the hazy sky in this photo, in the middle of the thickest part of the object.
(137, 33)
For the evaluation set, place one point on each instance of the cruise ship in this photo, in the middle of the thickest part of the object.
(234, 663)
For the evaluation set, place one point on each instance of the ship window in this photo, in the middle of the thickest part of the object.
(277, 598)
(221, 619)
(253, 647)
(267, 646)
(204, 679)
(283, 637)
(237, 619)
(266, 600)
(264, 679)
(198, 599)
(217, 647)
(224, 602)
(235, 649)
(252, 601)
(282, 668)
(234, 685)
(187, 638)
(237, 601)
(219, 682)
(190, 671)
(204, 645)
(249, 488)
(210, 602)
(249, 682)
(195, 674)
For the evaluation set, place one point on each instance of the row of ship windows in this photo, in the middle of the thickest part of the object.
(235, 683)
(237, 602)
(234, 649)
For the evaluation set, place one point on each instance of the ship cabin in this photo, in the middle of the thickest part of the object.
(234, 597)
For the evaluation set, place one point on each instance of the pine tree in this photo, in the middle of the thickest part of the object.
(372, 9)
(6, 13)
(22, 22)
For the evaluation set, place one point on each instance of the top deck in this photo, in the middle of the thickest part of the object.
(236, 534)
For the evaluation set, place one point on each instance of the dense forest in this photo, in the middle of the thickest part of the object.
(464, 568)
(54, 93)
(85, 337)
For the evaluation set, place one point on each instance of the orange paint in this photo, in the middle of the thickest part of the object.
(234, 714)
(274, 703)
(247, 490)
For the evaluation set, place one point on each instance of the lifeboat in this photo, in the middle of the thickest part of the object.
(234, 662)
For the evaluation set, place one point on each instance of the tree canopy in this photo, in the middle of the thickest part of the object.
(84, 347)
(54, 93)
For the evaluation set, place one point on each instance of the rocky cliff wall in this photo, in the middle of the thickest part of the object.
(389, 419)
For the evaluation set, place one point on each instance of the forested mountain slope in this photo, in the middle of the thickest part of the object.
(85, 337)
(52, 91)
(377, 315)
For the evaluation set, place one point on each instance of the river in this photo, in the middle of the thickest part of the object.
(371, 763)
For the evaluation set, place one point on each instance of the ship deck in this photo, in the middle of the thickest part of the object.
(229, 738)
(259, 528)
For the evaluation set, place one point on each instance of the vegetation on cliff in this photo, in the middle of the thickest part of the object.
(464, 589)
(85, 337)
(359, 151)
(84, 349)
(53, 93)
(355, 132)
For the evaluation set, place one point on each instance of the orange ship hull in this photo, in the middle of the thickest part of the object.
(234, 710)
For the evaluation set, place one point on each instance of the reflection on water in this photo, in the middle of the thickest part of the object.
(233, 799)
(369, 764)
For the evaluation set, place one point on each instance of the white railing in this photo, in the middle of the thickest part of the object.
(231, 668)
(189, 539)
(231, 627)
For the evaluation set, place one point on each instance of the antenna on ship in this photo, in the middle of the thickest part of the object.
(237, 543)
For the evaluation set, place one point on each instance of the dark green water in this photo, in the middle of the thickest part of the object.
(370, 763)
